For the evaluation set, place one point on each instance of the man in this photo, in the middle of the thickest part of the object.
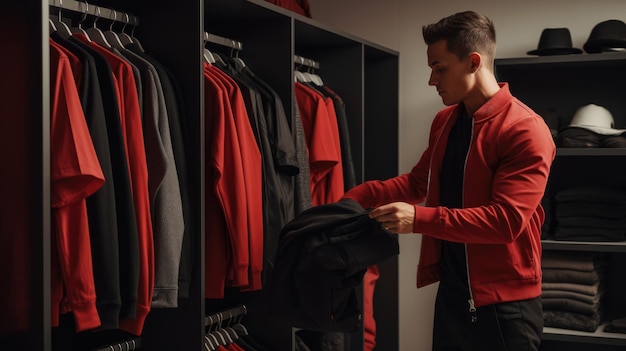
(481, 180)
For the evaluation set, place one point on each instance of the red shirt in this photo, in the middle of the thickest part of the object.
(234, 233)
(223, 211)
(252, 172)
(75, 174)
(321, 132)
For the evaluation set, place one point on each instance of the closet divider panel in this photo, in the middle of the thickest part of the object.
(24, 156)
(381, 162)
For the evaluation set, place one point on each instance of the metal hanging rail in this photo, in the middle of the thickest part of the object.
(305, 61)
(216, 39)
(97, 11)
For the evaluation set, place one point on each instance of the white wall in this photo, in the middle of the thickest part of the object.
(397, 24)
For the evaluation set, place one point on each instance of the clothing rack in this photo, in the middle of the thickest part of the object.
(217, 319)
(306, 62)
(128, 345)
(216, 39)
(96, 11)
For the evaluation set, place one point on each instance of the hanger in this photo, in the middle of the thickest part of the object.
(239, 327)
(217, 330)
(208, 344)
(79, 27)
(57, 25)
(222, 341)
(212, 337)
(96, 34)
(111, 36)
(309, 73)
(208, 55)
(317, 80)
(300, 77)
(222, 329)
(234, 54)
(135, 40)
(53, 28)
(124, 37)
(230, 318)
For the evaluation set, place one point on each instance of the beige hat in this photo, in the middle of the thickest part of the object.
(596, 119)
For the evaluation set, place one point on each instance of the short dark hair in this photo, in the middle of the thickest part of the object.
(465, 32)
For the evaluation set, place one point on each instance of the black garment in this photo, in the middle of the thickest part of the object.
(128, 238)
(577, 137)
(349, 174)
(453, 265)
(614, 141)
(322, 257)
(511, 326)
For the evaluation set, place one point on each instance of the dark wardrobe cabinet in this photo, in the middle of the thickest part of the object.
(363, 73)
(557, 86)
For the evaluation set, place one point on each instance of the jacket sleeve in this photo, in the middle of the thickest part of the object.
(409, 187)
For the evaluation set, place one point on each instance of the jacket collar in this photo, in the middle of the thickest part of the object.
(495, 104)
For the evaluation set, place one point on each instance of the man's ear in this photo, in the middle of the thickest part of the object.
(475, 60)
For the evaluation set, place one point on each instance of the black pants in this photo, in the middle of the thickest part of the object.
(509, 326)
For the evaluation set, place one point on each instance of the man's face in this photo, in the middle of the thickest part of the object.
(449, 74)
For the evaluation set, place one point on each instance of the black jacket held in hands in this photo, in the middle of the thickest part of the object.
(322, 256)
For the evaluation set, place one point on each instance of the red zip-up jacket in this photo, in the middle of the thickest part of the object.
(506, 172)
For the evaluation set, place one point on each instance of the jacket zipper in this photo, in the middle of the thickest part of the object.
(470, 301)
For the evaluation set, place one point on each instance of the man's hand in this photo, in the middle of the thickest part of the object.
(396, 217)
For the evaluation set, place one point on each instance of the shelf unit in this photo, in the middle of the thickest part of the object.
(560, 85)
(174, 32)
(599, 337)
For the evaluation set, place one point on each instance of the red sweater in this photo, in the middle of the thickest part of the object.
(506, 171)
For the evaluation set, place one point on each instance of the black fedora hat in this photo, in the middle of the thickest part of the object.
(555, 41)
(606, 36)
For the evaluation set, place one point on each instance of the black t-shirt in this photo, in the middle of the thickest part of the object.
(453, 264)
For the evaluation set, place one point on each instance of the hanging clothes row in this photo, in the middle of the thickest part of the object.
(324, 118)
(127, 345)
(225, 331)
(251, 164)
(119, 181)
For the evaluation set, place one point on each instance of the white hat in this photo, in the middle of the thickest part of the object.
(595, 118)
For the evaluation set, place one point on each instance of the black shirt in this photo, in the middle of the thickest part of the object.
(453, 264)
